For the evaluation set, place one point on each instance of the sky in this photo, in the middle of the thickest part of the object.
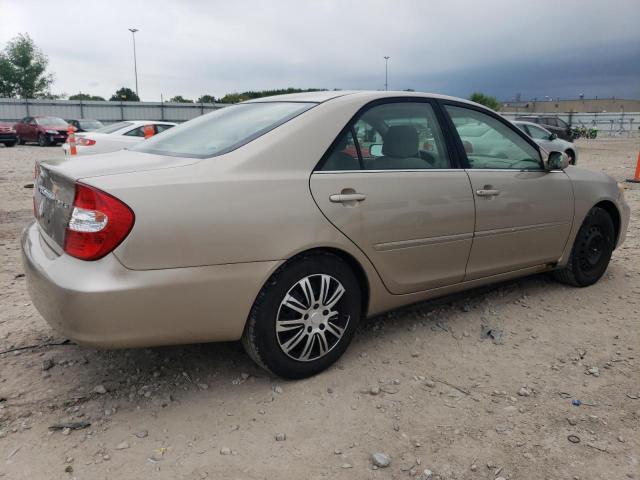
(499, 47)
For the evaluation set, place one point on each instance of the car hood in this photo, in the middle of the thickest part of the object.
(112, 163)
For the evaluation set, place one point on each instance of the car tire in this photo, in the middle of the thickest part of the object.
(9, 144)
(301, 341)
(591, 250)
(20, 141)
(43, 141)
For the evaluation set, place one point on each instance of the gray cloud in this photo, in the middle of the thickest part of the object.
(190, 48)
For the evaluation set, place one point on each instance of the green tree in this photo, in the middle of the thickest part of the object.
(206, 99)
(85, 96)
(241, 97)
(180, 99)
(124, 94)
(486, 100)
(23, 69)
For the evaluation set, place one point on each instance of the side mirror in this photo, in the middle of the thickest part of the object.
(553, 136)
(556, 161)
(375, 150)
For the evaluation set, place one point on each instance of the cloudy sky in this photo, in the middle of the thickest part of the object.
(501, 47)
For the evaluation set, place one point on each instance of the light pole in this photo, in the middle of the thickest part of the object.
(386, 72)
(135, 61)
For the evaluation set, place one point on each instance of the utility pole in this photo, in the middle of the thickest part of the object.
(135, 61)
(386, 72)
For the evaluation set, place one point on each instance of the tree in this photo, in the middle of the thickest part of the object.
(241, 97)
(23, 69)
(486, 100)
(124, 94)
(85, 96)
(206, 99)
(180, 99)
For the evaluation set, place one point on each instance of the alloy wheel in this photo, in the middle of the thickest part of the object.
(310, 321)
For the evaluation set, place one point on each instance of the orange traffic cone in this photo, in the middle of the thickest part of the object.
(636, 176)
(71, 138)
(148, 131)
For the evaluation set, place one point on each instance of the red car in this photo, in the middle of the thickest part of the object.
(8, 134)
(42, 129)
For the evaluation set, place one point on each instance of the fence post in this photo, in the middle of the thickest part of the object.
(81, 110)
(121, 110)
(26, 102)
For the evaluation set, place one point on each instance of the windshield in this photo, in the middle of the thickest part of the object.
(114, 127)
(90, 124)
(51, 121)
(223, 130)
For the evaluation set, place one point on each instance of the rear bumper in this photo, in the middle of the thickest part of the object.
(8, 137)
(104, 304)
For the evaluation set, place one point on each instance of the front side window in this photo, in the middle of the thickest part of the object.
(161, 127)
(393, 136)
(223, 130)
(490, 144)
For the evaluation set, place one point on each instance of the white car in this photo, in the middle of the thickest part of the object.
(115, 136)
(548, 140)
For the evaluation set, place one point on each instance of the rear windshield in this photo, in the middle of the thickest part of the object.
(90, 124)
(51, 121)
(223, 130)
(113, 127)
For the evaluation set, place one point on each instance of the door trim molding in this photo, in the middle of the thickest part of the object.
(502, 231)
(420, 242)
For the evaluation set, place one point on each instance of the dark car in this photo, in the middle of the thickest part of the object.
(42, 129)
(85, 124)
(553, 124)
(8, 134)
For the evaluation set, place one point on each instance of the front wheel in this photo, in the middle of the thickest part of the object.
(9, 144)
(43, 141)
(20, 141)
(304, 317)
(591, 250)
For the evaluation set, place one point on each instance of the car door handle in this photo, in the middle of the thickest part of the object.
(346, 197)
(487, 193)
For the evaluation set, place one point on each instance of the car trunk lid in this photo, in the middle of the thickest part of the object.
(54, 186)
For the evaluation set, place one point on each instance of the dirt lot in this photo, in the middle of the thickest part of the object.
(420, 384)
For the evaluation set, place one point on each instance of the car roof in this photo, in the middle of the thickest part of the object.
(323, 96)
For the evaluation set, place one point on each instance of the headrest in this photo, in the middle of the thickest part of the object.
(401, 141)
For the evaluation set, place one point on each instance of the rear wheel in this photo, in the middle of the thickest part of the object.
(591, 250)
(304, 317)
(9, 144)
(43, 141)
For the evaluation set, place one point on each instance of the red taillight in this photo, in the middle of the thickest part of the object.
(99, 222)
(85, 142)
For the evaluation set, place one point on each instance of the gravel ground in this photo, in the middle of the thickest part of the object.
(419, 385)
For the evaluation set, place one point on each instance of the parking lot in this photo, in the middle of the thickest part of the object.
(477, 385)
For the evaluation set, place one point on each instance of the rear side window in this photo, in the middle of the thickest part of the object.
(223, 130)
(136, 132)
(391, 136)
